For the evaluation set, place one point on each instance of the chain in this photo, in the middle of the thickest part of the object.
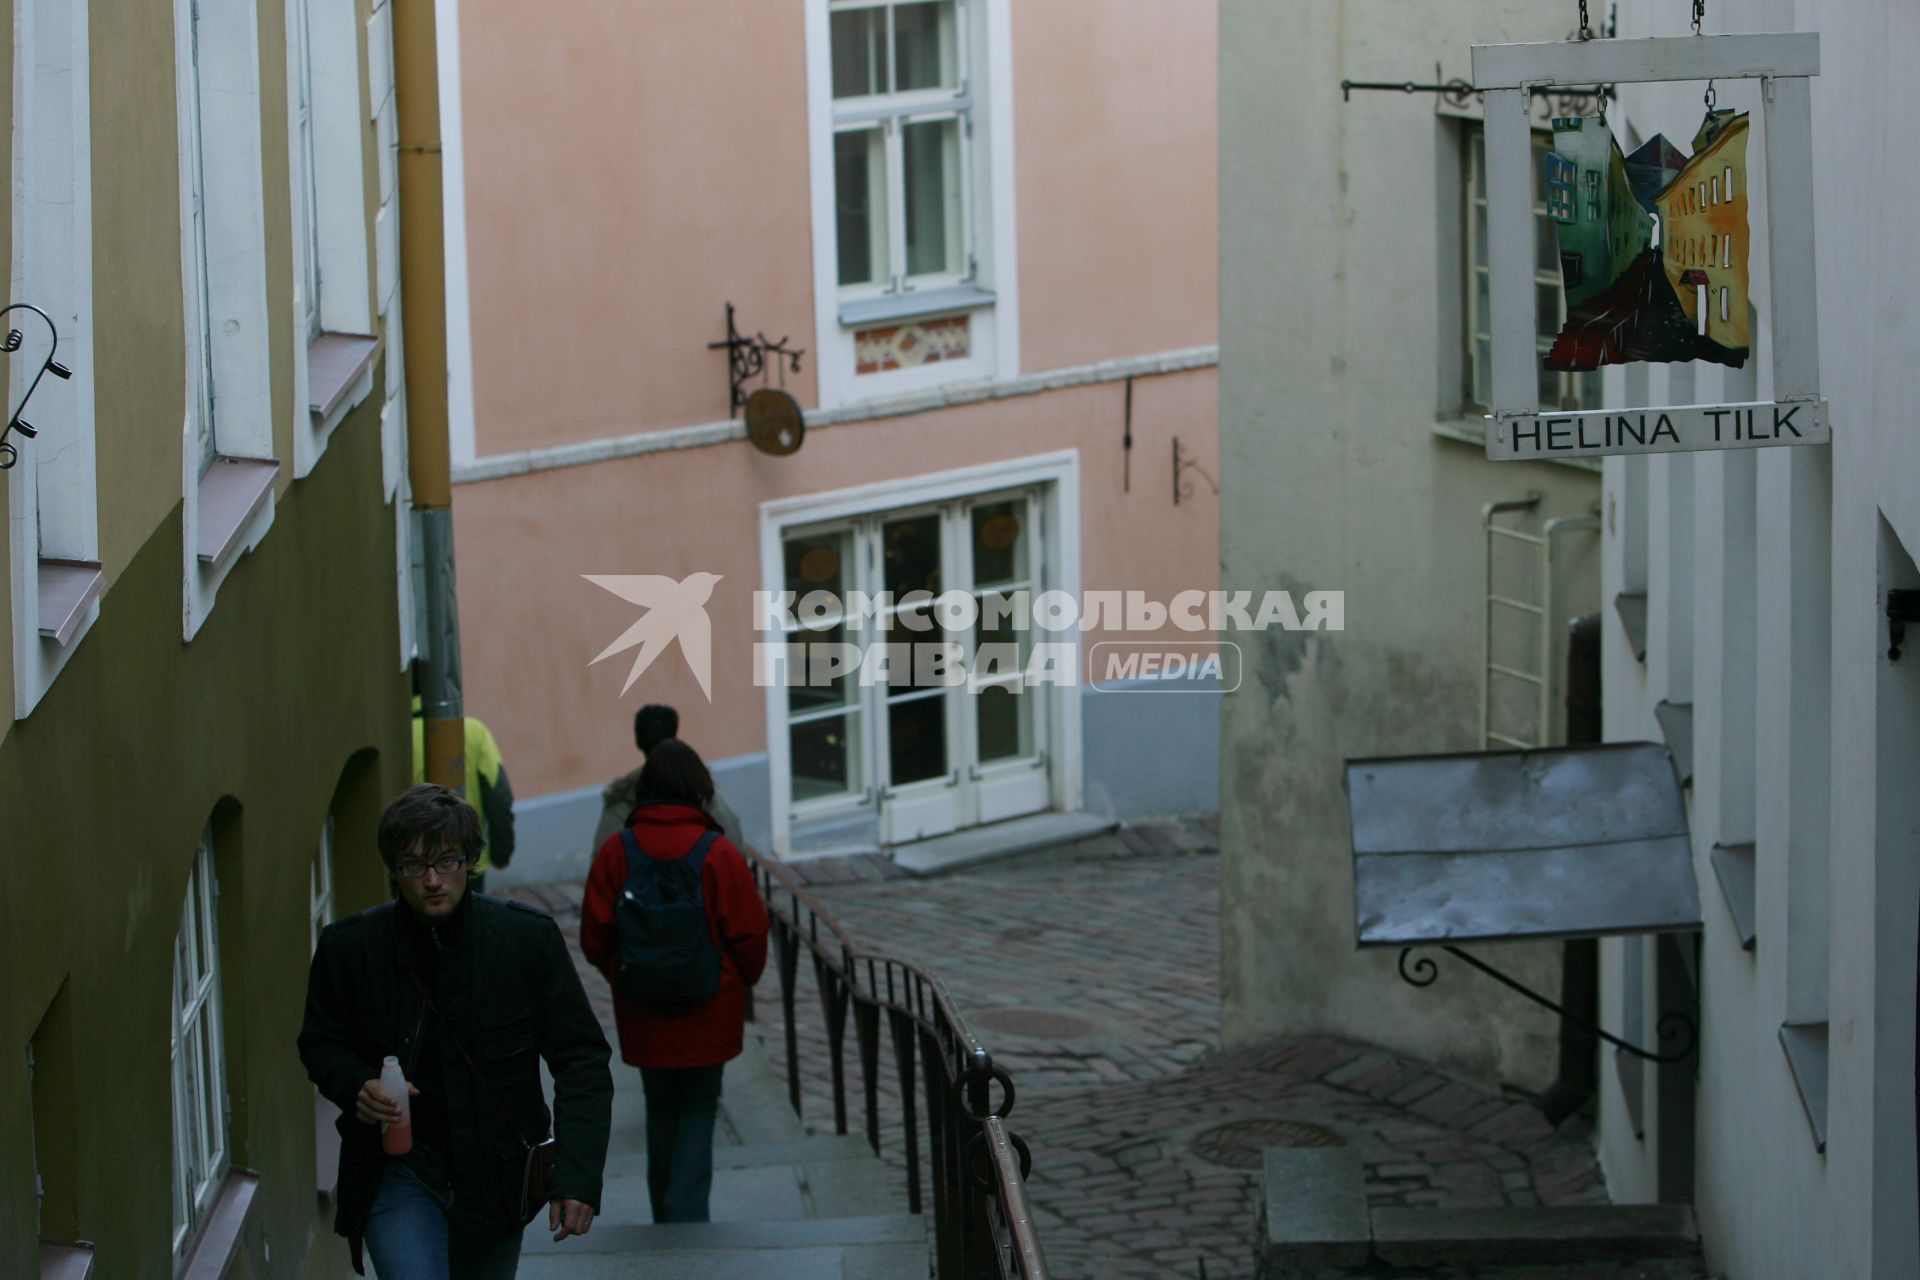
(1699, 12)
(1586, 28)
(1712, 97)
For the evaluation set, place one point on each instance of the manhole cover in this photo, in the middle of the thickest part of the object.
(1238, 1145)
(1037, 1024)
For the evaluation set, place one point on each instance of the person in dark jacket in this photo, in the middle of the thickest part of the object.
(680, 1055)
(469, 993)
(653, 724)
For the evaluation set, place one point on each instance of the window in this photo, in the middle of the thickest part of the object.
(320, 887)
(1557, 390)
(306, 217)
(902, 124)
(53, 486)
(910, 112)
(200, 1155)
(230, 470)
(335, 355)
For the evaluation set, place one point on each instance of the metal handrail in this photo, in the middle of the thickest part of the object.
(983, 1223)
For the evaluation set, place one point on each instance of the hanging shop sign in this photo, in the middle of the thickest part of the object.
(1653, 246)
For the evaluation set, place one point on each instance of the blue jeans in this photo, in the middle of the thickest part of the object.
(682, 1104)
(408, 1237)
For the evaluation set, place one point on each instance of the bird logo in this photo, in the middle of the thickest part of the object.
(675, 610)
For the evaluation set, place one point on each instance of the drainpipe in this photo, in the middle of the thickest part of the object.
(423, 282)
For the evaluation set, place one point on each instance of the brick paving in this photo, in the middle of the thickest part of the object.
(1122, 932)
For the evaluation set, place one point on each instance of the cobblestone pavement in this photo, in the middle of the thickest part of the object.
(1092, 973)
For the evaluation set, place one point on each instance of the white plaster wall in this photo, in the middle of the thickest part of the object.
(1813, 789)
(1341, 267)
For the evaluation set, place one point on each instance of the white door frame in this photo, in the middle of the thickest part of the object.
(1059, 472)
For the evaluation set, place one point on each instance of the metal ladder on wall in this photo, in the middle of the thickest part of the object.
(1541, 551)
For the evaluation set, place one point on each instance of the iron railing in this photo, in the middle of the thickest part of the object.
(982, 1223)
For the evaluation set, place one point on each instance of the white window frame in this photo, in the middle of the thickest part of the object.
(987, 292)
(331, 283)
(197, 1049)
(1056, 474)
(1783, 63)
(229, 409)
(52, 489)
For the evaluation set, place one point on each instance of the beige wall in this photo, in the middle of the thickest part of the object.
(530, 625)
(1118, 177)
(630, 169)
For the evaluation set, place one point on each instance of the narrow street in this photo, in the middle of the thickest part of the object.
(1092, 972)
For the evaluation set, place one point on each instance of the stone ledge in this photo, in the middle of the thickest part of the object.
(1313, 1213)
(1508, 1234)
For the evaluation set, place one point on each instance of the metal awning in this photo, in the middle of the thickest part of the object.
(1574, 842)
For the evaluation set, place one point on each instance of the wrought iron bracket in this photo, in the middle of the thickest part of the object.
(747, 359)
(1674, 1028)
(1903, 606)
(9, 453)
(1184, 488)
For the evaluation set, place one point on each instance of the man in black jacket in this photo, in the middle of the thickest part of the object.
(469, 993)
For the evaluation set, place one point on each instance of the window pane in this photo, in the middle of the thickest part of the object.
(1546, 301)
(1549, 389)
(932, 162)
(859, 52)
(860, 184)
(808, 662)
(911, 554)
(917, 739)
(1483, 302)
(1482, 371)
(1587, 389)
(923, 46)
(1546, 245)
(819, 562)
(826, 757)
(999, 543)
(1006, 723)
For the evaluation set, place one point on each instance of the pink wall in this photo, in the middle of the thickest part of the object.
(630, 169)
(531, 625)
(1118, 177)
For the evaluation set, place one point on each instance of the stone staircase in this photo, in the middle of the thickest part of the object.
(787, 1204)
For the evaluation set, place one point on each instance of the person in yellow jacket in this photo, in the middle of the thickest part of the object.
(488, 790)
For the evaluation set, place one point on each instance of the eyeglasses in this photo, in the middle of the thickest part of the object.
(413, 868)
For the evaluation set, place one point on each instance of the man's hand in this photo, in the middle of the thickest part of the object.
(371, 1106)
(568, 1218)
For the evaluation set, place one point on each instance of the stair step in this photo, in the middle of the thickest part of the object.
(781, 1238)
(814, 1150)
(831, 1262)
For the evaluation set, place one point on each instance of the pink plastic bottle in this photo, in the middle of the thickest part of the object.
(396, 1139)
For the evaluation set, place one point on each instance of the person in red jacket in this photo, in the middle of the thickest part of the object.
(680, 1056)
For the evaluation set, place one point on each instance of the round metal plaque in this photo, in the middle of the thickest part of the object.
(774, 424)
(1238, 1145)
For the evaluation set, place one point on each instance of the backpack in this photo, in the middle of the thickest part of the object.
(667, 957)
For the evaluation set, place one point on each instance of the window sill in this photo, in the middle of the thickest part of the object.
(902, 306)
(68, 589)
(1806, 1046)
(1733, 868)
(1473, 431)
(339, 374)
(1632, 608)
(232, 492)
(219, 1240)
(1676, 722)
(66, 1260)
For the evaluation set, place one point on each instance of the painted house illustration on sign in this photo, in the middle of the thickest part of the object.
(1627, 298)
(1703, 234)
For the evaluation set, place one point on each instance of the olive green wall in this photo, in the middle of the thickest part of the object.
(292, 691)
